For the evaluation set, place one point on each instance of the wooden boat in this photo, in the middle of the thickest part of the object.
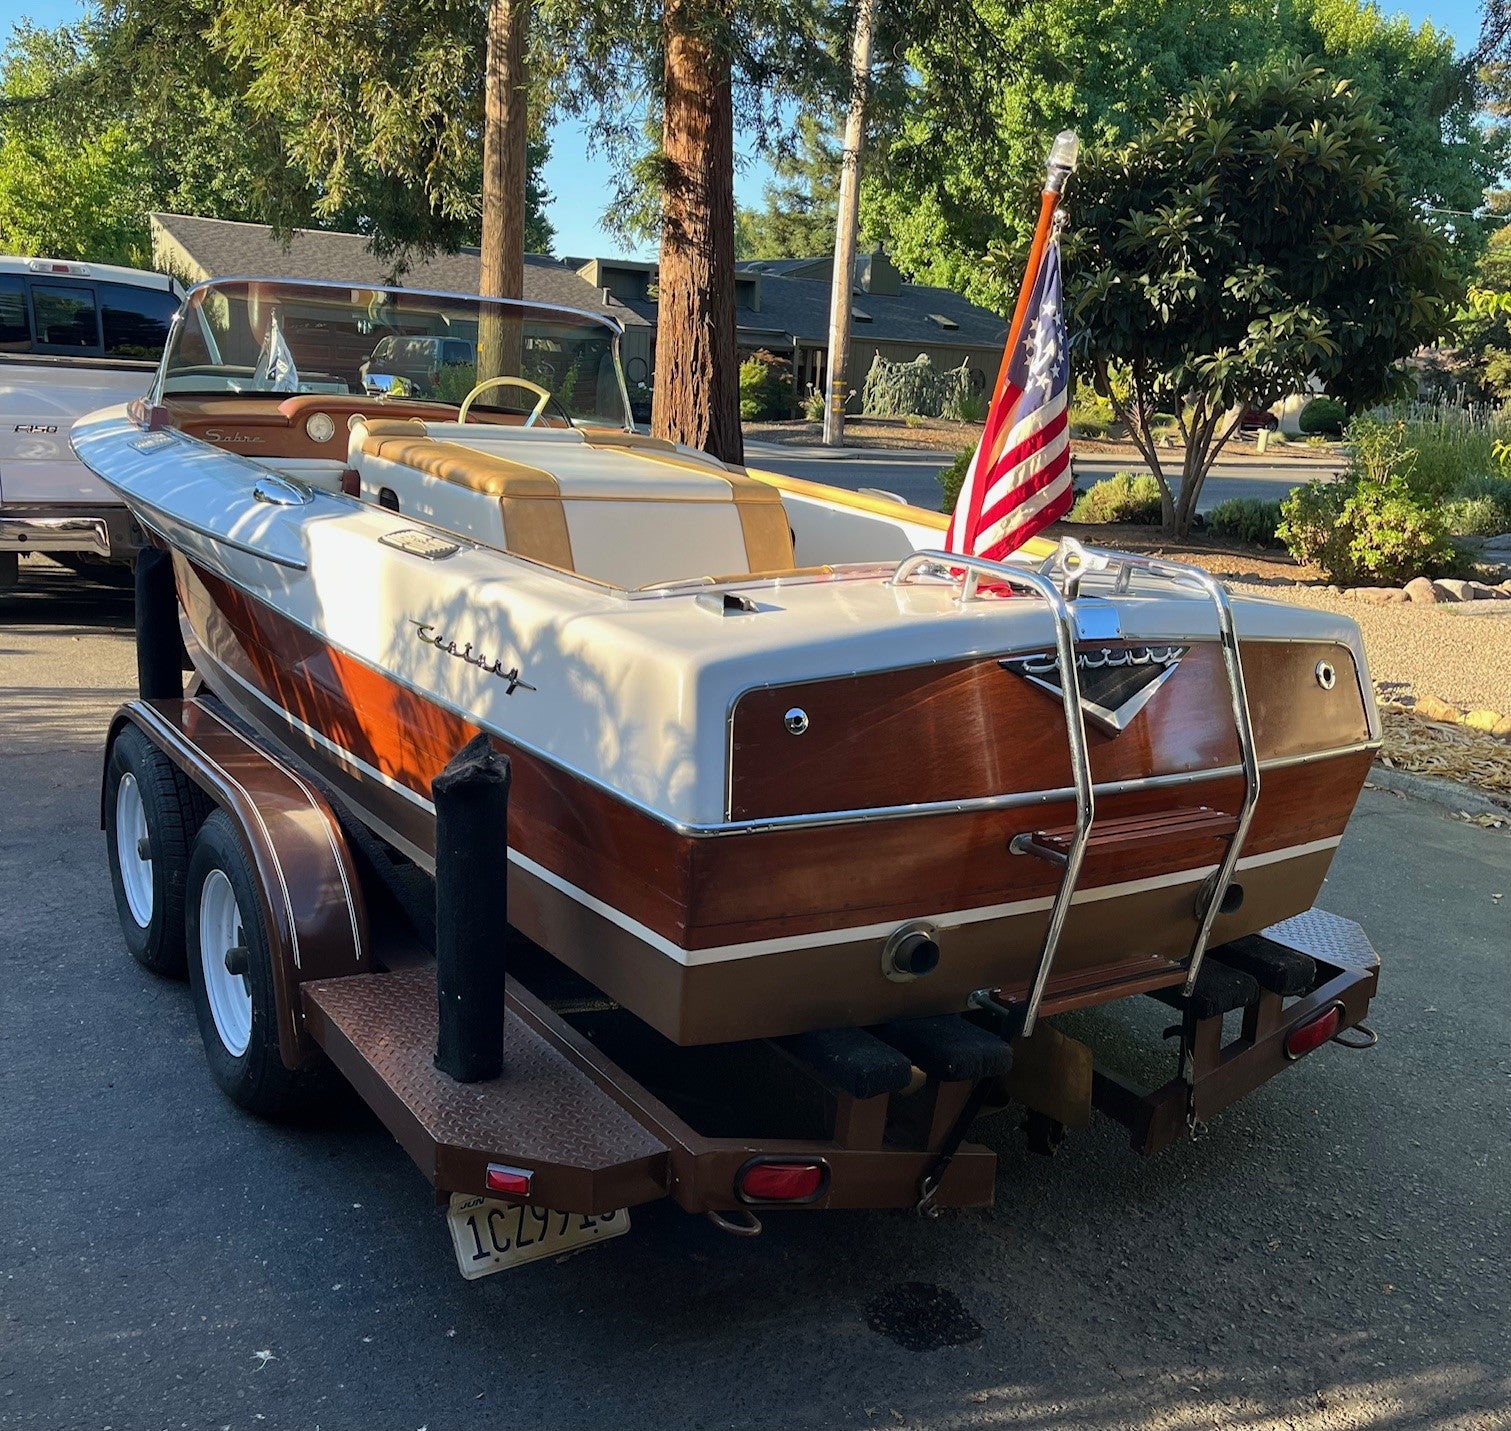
(778, 764)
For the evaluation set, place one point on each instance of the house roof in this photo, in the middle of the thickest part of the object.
(221, 248)
(794, 299)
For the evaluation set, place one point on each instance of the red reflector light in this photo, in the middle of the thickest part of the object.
(512, 1182)
(780, 1182)
(1314, 1033)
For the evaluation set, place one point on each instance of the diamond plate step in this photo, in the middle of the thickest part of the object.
(587, 1153)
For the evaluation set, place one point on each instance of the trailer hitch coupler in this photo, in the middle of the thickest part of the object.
(471, 910)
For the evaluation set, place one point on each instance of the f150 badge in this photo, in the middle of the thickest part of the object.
(1115, 684)
(37, 429)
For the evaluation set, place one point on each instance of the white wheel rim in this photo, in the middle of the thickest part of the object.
(230, 996)
(130, 831)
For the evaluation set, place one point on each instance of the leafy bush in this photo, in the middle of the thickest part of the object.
(1323, 415)
(765, 387)
(1124, 498)
(1246, 519)
(953, 478)
(1362, 531)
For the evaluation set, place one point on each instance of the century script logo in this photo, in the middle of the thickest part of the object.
(426, 633)
(1116, 684)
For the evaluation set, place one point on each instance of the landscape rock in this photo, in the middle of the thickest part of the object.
(1379, 595)
(1431, 708)
(1483, 591)
(1503, 728)
(1452, 589)
(1483, 720)
(1420, 590)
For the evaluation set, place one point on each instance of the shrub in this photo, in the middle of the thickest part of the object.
(1490, 496)
(952, 478)
(1246, 519)
(1124, 498)
(814, 405)
(1363, 531)
(765, 387)
(967, 406)
(1474, 517)
(1323, 415)
(1091, 415)
(915, 389)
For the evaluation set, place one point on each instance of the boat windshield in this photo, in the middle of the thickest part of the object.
(250, 336)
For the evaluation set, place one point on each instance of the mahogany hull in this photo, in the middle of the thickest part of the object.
(777, 929)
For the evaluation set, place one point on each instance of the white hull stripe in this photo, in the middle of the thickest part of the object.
(821, 939)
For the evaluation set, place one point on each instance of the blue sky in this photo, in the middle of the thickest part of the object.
(580, 181)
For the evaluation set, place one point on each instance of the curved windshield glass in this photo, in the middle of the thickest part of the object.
(246, 336)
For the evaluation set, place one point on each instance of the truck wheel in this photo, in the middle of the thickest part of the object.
(151, 812)
(231, 974)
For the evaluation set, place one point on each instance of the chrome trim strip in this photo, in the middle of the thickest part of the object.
(137, 506)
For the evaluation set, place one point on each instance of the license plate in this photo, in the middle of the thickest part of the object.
(490, 1236)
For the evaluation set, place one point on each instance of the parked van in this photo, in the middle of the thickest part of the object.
(73, 337)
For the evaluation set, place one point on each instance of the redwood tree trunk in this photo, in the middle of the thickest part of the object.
(506, 126)
(697, 394)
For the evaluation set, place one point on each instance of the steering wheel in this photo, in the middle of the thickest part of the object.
(546, 398)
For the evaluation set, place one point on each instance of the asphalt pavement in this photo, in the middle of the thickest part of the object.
(1333, 1254)
(914, 476)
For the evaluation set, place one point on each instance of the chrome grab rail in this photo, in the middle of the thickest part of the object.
(1071, 562)
(1026, 579)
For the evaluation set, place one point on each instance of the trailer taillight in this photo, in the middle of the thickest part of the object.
(1314, 1033)
(772, 1181)
(512, 1182)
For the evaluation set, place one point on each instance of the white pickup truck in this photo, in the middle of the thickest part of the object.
(73, 337)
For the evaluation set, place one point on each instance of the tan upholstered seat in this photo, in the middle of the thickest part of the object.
(627, 513)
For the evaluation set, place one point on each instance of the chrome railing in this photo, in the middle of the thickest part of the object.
(1067, 567)
(1028, 580)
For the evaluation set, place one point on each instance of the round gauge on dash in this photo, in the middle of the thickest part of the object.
(320, 427)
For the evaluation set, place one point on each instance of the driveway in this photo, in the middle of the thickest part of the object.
(1334, 1254)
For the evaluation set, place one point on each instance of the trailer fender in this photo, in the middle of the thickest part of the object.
(308, 883)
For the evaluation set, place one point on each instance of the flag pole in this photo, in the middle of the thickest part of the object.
(1062, 162)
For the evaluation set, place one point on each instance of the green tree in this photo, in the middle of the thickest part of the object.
(796, 219)
(954, 197)
(1259, 236)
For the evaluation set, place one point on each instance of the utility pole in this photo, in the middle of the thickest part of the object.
(845, 224)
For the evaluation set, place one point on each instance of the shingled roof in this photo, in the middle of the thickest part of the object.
(221, 248)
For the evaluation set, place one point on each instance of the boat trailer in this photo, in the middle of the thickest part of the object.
(508, 1077)
(585, 1109)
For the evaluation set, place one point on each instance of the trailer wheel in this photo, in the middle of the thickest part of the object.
(151, 812)
(231, 974)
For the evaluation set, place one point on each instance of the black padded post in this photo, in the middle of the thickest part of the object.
(471, 910)
(159, 642)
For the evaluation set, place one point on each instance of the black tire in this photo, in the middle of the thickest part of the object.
(173, 807)
(254, 1078)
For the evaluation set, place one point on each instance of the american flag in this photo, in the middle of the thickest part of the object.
(1019, 480)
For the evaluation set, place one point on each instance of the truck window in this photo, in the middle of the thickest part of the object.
(15, 321)
(135, 320)
(66, 317)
